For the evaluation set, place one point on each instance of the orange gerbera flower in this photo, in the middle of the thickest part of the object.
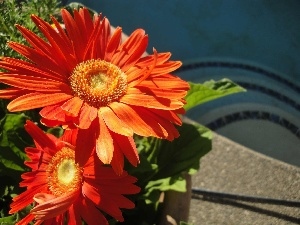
(68, 190)
(85, 77)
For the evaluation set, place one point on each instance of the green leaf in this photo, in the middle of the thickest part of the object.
(13, 140)
(155, 187)
(210, 90)
(19, 12)
(183, 154)
(56, 131)
(144, 171)
(9, 220)
(163, 163)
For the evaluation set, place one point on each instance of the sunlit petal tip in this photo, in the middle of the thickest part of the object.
(52, 206)
(41, 198)
(18, 26)
(105, 154)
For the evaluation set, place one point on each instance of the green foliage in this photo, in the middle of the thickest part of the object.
(18, 12)
(13, 219)
(210, 90)
(163, 166)
(13, 140)
(9, 220)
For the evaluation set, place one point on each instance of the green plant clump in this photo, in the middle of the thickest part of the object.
(18, 12)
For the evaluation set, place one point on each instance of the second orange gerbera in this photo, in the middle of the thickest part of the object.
(66, 191)
(83, 76)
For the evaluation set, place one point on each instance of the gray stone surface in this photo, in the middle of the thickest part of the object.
(232, 168)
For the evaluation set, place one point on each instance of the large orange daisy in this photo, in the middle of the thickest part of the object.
(83, 76)
(64, 189)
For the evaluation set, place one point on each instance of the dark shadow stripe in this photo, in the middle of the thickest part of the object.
(270, 92)
(249, 207)
(245, 198)
(232, 65)
(253, 115)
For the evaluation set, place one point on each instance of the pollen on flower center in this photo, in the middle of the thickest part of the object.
(63, 173)
(98, 82)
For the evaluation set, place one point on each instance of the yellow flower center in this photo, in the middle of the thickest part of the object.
(98, 82)
(63, 173)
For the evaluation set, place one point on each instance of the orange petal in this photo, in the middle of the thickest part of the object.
(145, 123)
(132, 119)
(69, 136)
(75, 34)
(85, 143)
(38, 57)
(50, 123)
(41, 198)
(25, 198)
(127, 147)
(36, 100)
(90, 214)
(114, 123)
(51, 207)
(167, 67)
(34, 40)
(25, 68)
(34, 83)
(135, 55)
(161, 59)
(149, 101)
(108, 206)
(166, 82)
(10, 93)
(74, 216)
(158, 91)
(111, 204)
(135, 78)
(72, 106)
(135, 41)
(52, 112)
(79, 21)
(102, 39)
(86, 116)
(168, 130)
(33, 178)
(60, 48)
(91, 49)
(168, 115)
(104, 143)
(40, 137)
(117, 161)
(59, 30)
(113, 44)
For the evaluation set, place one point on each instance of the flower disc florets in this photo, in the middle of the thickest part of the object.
(63, 173)
(98, 82)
